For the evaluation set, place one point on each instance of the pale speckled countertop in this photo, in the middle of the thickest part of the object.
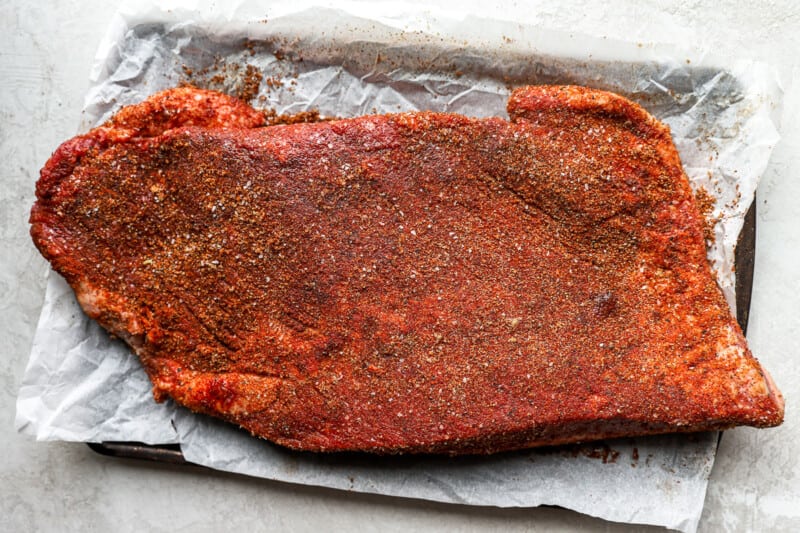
(46, 50)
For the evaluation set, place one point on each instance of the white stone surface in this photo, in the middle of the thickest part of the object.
(46, 49)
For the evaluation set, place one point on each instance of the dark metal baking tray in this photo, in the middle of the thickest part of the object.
(744, 260)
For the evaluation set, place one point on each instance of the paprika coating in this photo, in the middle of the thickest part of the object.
(414, 282)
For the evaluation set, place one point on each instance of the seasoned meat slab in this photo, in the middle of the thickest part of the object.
(418, 282)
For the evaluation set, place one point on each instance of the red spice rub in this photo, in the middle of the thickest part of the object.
(418, 282)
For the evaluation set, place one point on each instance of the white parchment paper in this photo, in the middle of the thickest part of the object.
(352, 59)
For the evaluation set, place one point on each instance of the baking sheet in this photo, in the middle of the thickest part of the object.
(356, 59)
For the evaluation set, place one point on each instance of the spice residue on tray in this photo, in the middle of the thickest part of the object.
(244, 74)
(596, 450)
(705, 204)
(251, 83)
(241, 81)
(237, 76)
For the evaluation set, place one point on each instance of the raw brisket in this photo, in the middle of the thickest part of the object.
(418, 282)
